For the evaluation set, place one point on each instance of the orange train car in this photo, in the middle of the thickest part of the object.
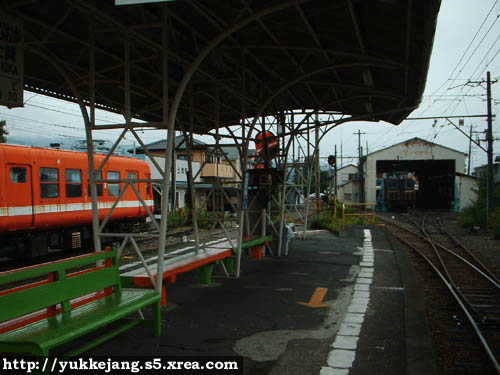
(45, 198)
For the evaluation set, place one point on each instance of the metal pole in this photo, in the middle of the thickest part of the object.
(168, 155)
(90, 150)
(316, 144)
(490, 203)
(189, 147)
(308, 163)
(243, 168)
(173, 178)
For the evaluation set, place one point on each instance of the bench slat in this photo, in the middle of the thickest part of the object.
(56, 330)
(255, 241)
(45, 268)
(32, 299)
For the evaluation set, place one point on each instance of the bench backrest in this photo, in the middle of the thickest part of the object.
(59, 287)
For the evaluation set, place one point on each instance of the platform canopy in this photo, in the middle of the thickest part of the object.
(367, 59)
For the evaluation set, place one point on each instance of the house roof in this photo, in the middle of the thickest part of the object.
(161, 145)
(415, 139)
(346, 166)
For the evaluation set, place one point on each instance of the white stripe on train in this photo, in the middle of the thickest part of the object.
(70, 207)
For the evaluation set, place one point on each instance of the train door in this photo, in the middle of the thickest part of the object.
(19, 192)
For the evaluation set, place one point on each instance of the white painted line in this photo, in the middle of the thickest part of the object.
(357, 308)
(362, 287)
(360, 300)
(384, 250)
(368, 275)
(361, 294)
(354, 318)
(365, 272)
(333, 371)
(349, 329)
(364, 280)
(341, 358)
(346, 342)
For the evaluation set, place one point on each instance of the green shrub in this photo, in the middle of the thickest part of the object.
(334, 227)
(476, 213)
(178, 218)
(205, 219)
(321, 222)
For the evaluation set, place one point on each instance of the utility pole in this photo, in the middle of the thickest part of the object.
(335, 174)
(470, 150)
(489, 137)
(360, 168)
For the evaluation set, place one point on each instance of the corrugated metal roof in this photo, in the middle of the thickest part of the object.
(368, 59)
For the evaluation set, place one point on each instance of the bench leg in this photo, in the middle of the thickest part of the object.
(256, 252)
(204, 274)
(163, 295)
(156, 310)
(229, 264)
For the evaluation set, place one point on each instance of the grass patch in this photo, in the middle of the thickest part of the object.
(327, 221)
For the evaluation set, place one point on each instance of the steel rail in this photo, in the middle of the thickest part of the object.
(475, 268)
(460, 303)
(456, 287)
(441, 261)
(460, 244)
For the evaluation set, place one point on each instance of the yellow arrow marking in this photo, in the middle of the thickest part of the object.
(316, 299)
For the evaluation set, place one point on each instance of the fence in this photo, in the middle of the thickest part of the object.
(367, 207)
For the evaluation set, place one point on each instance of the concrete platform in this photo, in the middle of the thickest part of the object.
(373, 321)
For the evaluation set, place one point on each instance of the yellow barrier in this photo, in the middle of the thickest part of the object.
(367, 206)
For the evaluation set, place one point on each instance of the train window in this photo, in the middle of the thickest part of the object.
(113, 189)
(18, 175)
(97, 185)
(73, 179)
(49, 182)
(132, 176)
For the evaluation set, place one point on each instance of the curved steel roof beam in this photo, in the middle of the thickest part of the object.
(303, 77)
(204, 53)
(357, 56)
(220, 24)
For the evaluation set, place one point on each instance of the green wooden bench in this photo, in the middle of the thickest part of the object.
(38, 316)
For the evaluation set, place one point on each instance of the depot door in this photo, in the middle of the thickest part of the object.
(19, 191)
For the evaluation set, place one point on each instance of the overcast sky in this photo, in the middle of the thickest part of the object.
(466, 45)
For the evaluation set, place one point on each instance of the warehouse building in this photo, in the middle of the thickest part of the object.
(438, 172)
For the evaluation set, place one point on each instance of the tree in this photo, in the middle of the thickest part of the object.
(3, 132)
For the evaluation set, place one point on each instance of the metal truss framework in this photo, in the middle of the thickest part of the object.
(232, 77)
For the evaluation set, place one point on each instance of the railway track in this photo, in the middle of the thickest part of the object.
(462, 294)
